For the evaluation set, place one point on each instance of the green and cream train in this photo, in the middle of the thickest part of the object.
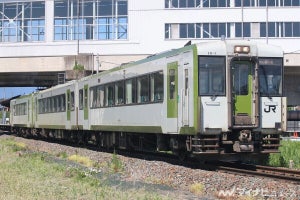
(218, 97)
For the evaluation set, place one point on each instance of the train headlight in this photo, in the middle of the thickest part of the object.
(241, 49)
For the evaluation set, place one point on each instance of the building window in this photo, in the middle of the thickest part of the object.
(280, 29)
(196, 3)
(197, 30)
(22, 21)
(90, 20)
(243, 29)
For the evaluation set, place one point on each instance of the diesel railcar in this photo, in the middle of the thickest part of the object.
(219, 97)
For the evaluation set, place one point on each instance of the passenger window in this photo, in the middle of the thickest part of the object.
(186, 82)
(130, 88)
(109, 94)
(100, 96)
(143, 89)
(72, 101)
(85, 97)
(172, 83)
(81, 99)
(63, 102)
(52, 104)
(93, 97)
(119, 93)
(157, 86)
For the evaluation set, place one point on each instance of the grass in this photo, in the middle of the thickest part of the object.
(30, 175)
(289, 151)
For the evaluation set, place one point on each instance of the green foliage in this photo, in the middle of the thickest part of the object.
(62, 155)
(289, 151)
(13, 145)
(78, 67)
(116, 164)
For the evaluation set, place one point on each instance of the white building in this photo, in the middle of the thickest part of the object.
(46, 37)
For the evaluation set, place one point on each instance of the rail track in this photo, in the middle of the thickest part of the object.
(286, 174)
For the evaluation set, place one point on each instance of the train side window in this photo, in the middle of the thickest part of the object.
(100, 96)
(143, 89)
(46, 105)
(52, 104)
(93, 99)
(80, 99)
(130, 91)
(72, 101)
(157, 86)
(172, 83)
(119, 93)
(40, 106)
(109, 95)
(59, 103)
(63, 103)
(85, 103)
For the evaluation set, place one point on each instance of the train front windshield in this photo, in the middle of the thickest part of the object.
(270, 76)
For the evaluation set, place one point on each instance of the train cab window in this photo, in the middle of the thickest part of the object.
(119, 93)
(143, 89)
(109, 95)
(130, 91)
(80, 99)
(211, 75)
(157, 86)
(270, 76)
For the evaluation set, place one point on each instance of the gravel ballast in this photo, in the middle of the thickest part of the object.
(177, 181)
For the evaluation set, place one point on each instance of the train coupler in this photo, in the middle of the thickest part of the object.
(245, 143)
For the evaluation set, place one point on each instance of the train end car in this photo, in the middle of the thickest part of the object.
(21, 116)
(241, 105)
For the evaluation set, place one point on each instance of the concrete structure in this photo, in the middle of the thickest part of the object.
(41, 40)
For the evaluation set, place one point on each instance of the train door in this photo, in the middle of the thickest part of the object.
(243, 112)
(68, 105)
(85, 107)
(172, 97)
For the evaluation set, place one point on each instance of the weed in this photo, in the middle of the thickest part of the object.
(289, 151)
(115, 163)
(197, 188)
(63, 155)
(82, 160)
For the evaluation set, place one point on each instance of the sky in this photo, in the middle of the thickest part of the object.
(7, 92)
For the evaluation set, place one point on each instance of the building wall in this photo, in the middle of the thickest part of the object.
(146, 35)
(146, 30)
